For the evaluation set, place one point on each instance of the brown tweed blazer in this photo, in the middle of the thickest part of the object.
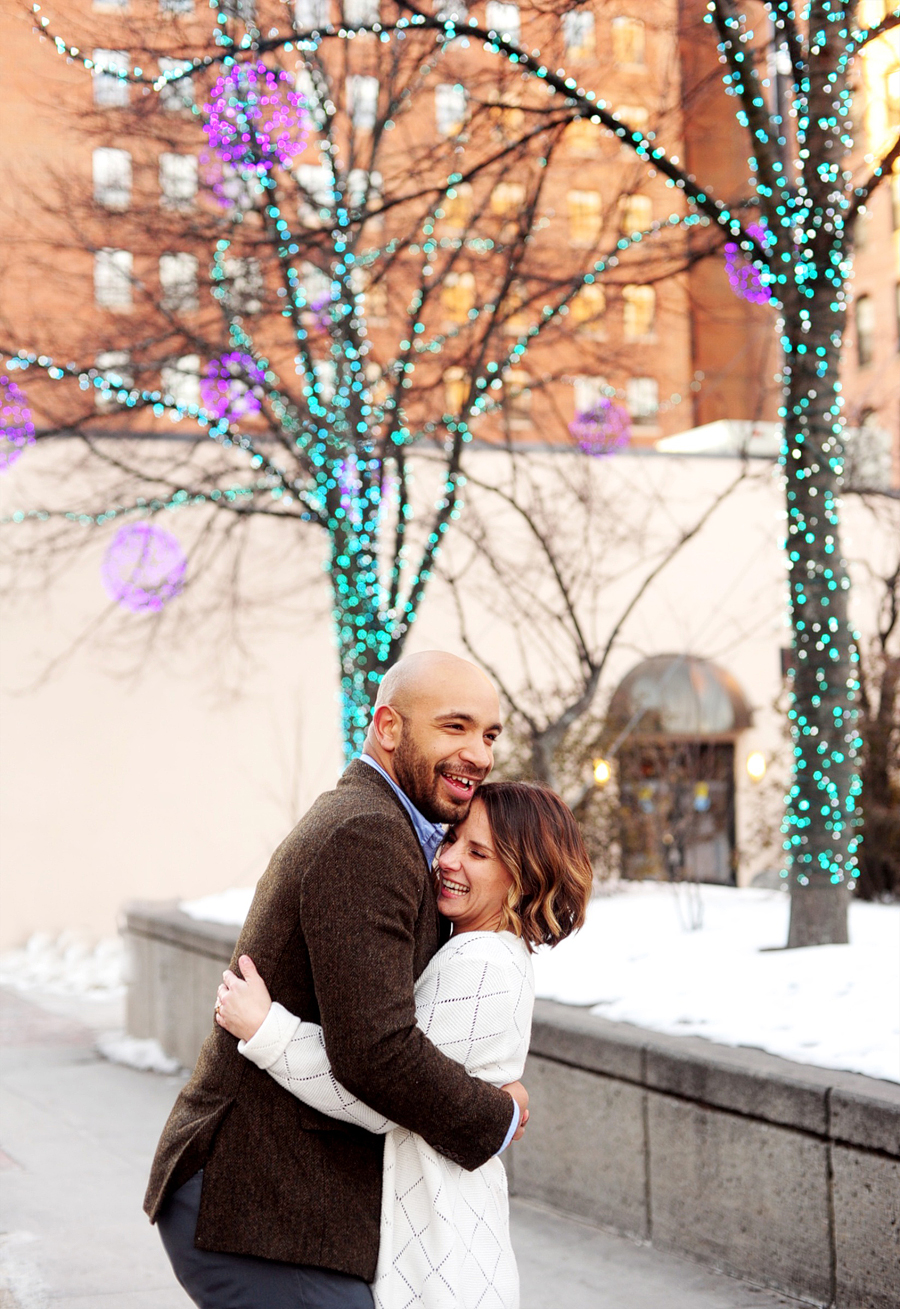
(342, 923)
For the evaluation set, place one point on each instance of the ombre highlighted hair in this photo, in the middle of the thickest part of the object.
(538, 841)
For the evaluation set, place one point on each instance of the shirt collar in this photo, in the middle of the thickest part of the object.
(430, 834)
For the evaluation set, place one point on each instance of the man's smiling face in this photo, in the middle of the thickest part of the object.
(445, 741)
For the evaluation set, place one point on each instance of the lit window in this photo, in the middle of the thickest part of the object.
(635, 214)
(516, 397)
(178, 282)
(503, 19)
(455, 9)
(458, 296)
(506, 117)
(177, 180)
(450, 108)
(583, 138)
(585, 218)
(864, 313)
(114, 366)
(110, 90)
(578, 33)
(457, 206)
(628, 40)
(633, 116)
(181, 380)
(362, 101)
(643, 399)
(589, 391)
(507, 199)
(311, 15)
(892, 98)
(361, 13)
(588, 306)
(456, 389)
(640, 312)
(112, 279)
(244, 286)
(314, 182)
(112, 177)
(176, 92)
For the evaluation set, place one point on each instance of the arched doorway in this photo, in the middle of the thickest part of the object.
(672, 726)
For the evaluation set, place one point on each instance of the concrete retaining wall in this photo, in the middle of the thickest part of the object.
(782, 1173)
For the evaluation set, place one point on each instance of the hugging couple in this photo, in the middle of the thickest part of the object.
(343, 1152)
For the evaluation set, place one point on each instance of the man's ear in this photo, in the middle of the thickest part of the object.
(387, 725)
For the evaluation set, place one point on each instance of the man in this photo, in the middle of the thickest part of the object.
(262, 1202)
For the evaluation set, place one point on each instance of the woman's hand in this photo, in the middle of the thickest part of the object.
(242, 1003)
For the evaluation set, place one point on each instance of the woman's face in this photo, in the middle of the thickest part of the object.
(472, 882)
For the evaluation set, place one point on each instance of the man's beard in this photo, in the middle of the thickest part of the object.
(420, 781)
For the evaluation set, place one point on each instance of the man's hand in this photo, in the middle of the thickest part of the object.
(520, 1095)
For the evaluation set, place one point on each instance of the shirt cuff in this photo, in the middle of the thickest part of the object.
(513, 1127)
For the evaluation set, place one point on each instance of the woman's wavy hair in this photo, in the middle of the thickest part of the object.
(538, 841)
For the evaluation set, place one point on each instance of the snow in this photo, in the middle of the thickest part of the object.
(637, 961)
(136, 1052)
(66, 965)
(229, 907)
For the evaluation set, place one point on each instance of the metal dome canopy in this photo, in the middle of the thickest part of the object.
(678, 695)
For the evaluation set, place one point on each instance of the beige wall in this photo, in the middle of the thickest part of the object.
(131, 771)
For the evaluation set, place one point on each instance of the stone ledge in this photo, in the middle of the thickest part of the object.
(164, 921)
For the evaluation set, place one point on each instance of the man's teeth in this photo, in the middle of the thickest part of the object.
(467, 782)
(455, 887)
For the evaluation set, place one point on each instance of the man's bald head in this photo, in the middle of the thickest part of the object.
(433, 730)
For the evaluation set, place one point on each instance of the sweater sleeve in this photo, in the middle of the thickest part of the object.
(359, 910)
(476, 1010)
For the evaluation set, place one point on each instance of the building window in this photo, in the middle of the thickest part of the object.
(864, 311)
(633, 116)
(112, 177)
(112, 279)
(517, 397)
(110, 90)
(365, 188)
(589, 391)
(317, 292)
(503, 19)
(312, 15)
(114, 366)
(176, 93)
(178, 282)
(110, 6)
(181, 380)
(314, 182)
(513, 311)
(578, 33)
(507, 199)
(628, 40)
(243, 9)
(454, 9)
(458, 296)
(583, 138)
(176, 6)
(892, 98)
(585, 217)
(635, 214)
(361, 13)
(457, 206)
(362, 101)
(639, 312)
(642, 397)
(243, 285)
(895, 200)
(456, 389)
(587, 307)
(177, 180)
(450, 108)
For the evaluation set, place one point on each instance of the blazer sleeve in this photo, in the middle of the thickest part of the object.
(359, 909)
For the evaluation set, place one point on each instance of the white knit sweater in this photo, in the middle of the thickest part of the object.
(444, 1231)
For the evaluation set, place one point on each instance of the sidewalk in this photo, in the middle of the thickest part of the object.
(77, 1134)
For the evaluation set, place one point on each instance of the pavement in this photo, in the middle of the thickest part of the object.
(77, 1135)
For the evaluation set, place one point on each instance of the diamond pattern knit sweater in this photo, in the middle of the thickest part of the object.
(444, 1231)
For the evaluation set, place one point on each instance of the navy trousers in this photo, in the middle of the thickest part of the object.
(235, 1281)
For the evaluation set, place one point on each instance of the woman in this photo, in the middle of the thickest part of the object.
(513, 875)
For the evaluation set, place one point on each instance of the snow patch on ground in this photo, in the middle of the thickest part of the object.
(637, 961)
(66, 965)
(229, 907)
(135, 1052)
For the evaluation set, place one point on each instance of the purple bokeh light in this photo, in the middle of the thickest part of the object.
(602, 429)
(143, 568)
(16, 425)
(227, 391)
(256, 119)
(744, 277)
